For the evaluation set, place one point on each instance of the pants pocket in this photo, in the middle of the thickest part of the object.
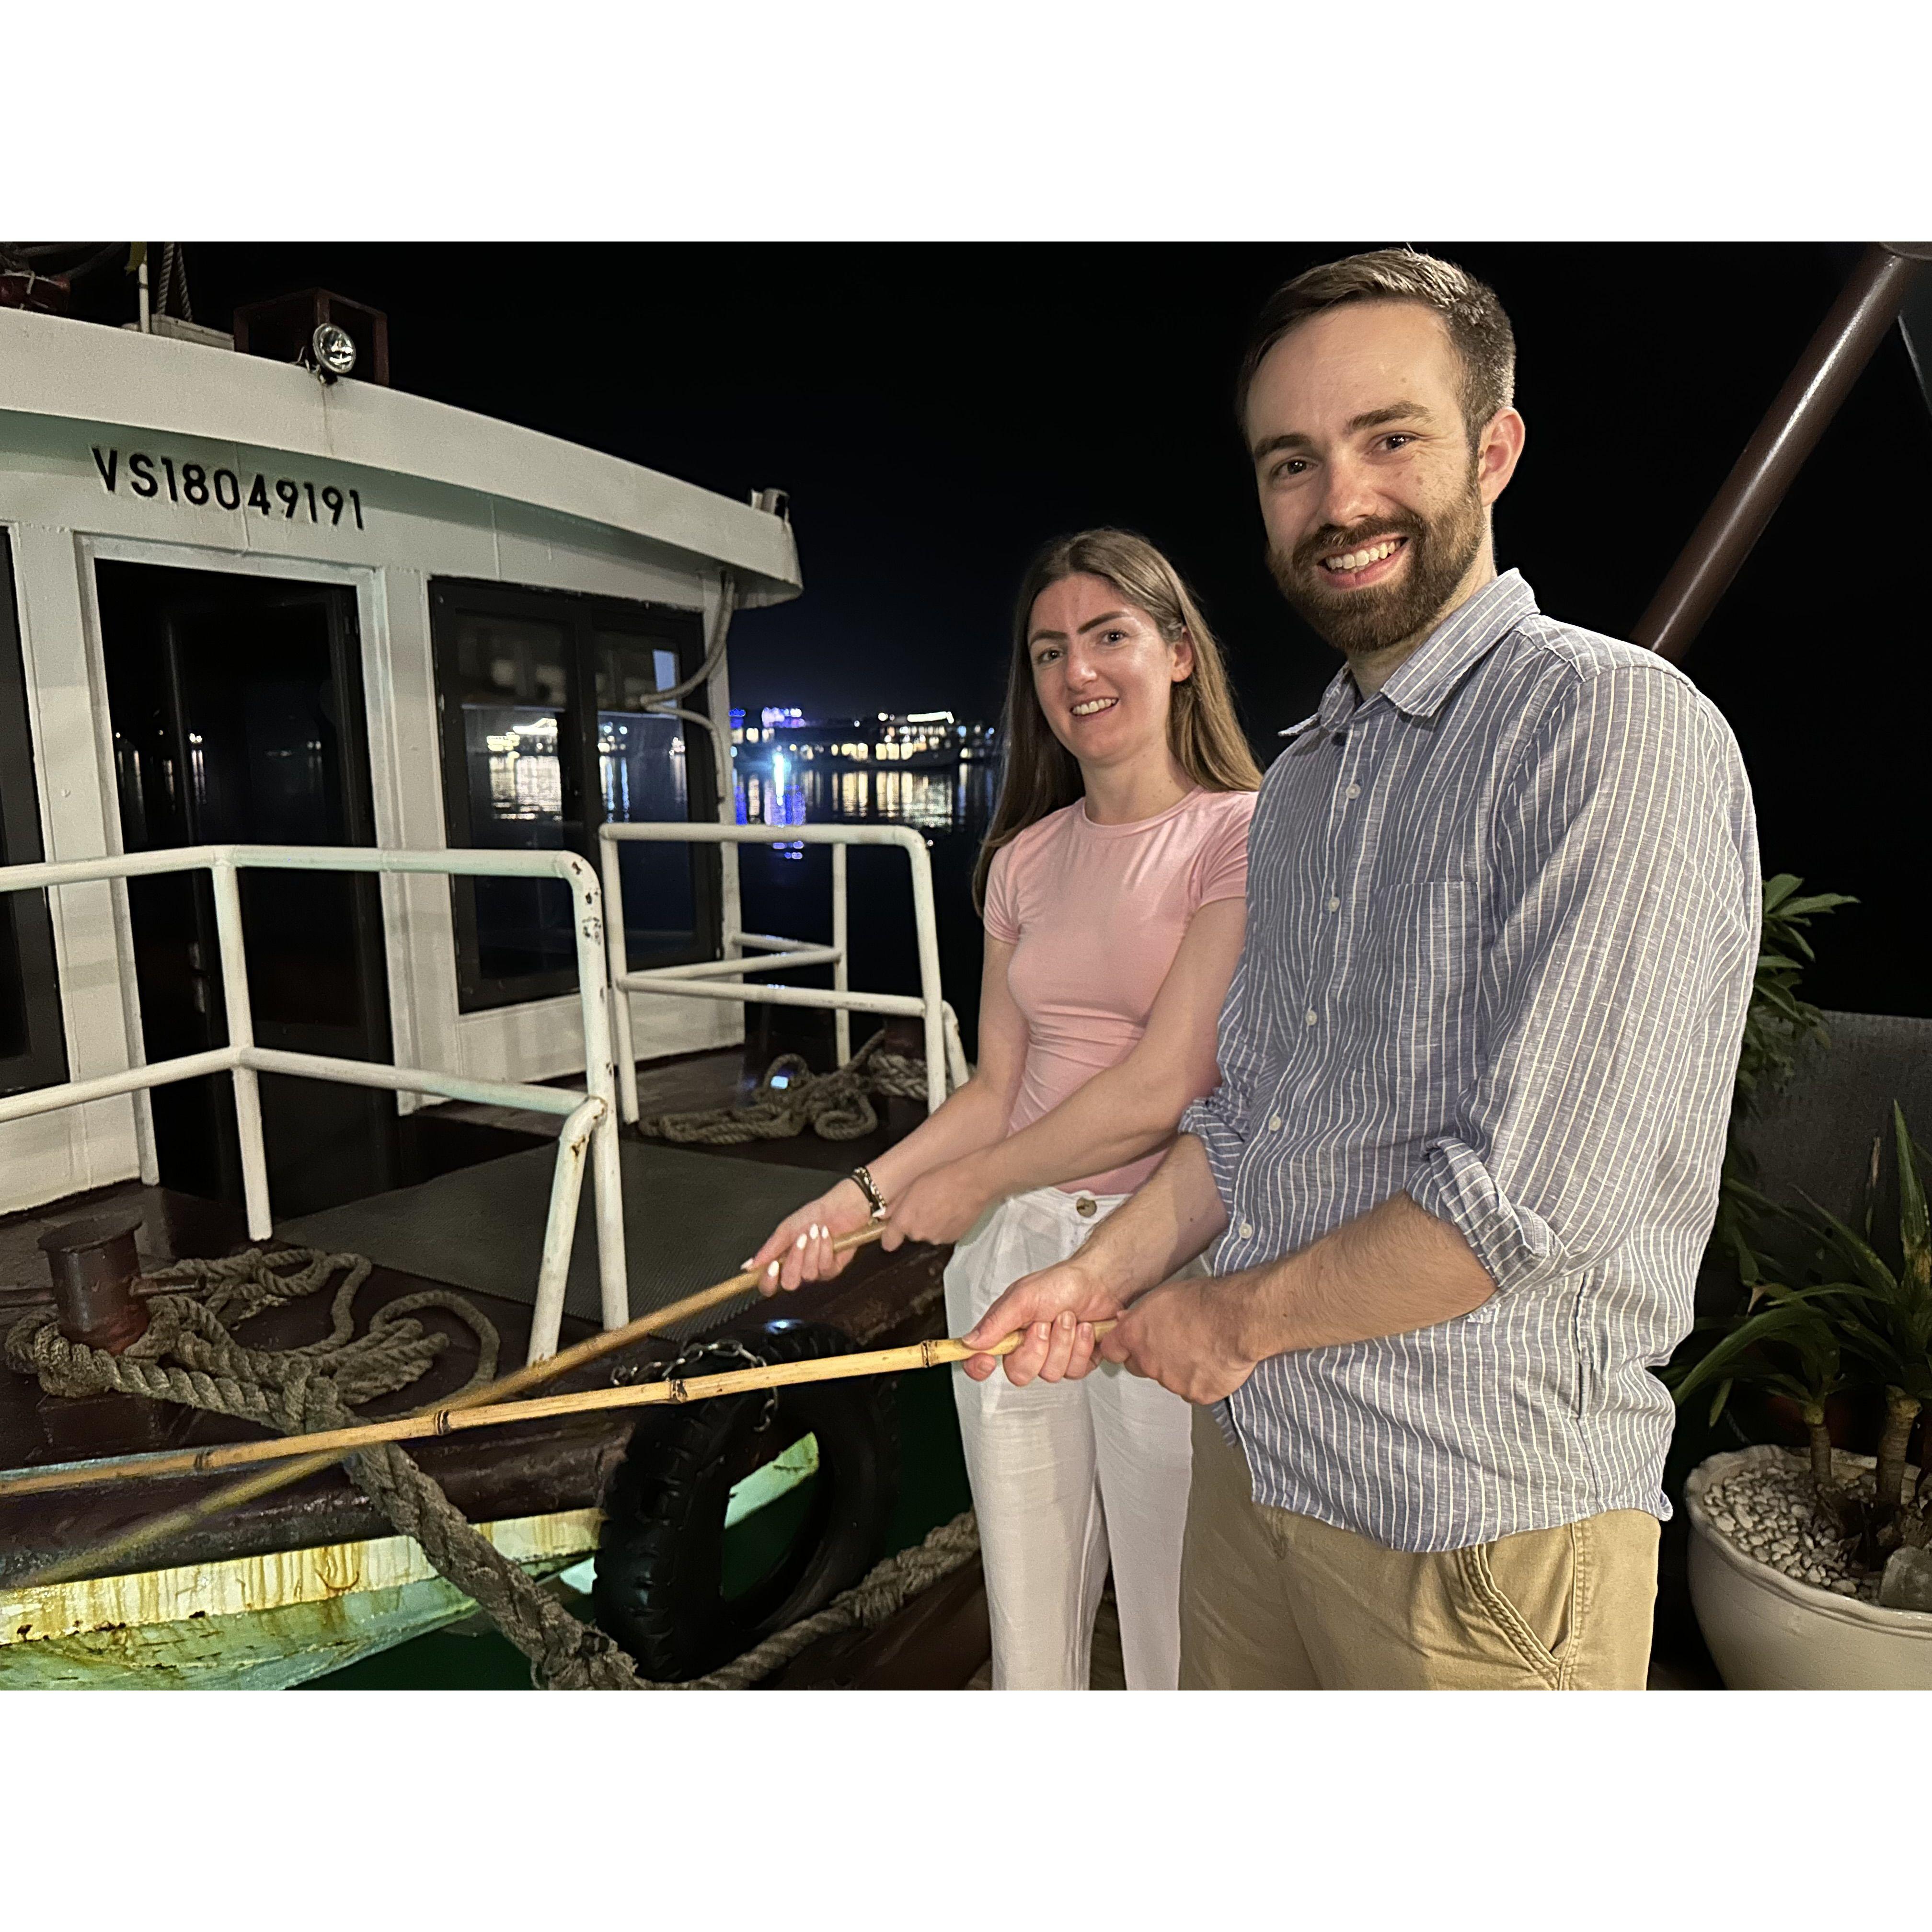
(1526, 1587)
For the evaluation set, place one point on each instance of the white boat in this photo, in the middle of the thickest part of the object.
(383, 697)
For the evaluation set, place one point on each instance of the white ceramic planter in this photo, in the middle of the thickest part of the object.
(1768, 1633)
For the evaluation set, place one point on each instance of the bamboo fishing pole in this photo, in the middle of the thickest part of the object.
(451, 1418)
(95, 1561)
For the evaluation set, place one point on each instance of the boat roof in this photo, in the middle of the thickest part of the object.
(83, 372)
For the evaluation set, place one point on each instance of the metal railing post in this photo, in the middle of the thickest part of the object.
(241, 1038)
(620, 967)
(705, 981)
(841, 974)
(926, 928)
(566, 1189)
(606, 1160)
(592, 1122)
(955, 1048)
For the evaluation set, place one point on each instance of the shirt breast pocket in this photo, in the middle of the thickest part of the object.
(1418, 985)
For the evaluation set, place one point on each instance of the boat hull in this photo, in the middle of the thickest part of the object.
(257, 1623)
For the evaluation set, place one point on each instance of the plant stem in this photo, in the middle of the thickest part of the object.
(1821, 1444)
(1901, 1412)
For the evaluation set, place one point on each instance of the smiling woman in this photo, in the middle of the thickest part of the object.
(1043, 771)
(1113, 887)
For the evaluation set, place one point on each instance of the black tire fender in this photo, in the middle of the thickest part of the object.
(660, 1555)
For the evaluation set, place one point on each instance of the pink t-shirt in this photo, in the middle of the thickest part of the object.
(1095, 913)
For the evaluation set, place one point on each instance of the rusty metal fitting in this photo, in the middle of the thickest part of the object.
(94, 1269)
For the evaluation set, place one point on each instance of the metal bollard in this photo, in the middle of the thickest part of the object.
(94, 1269)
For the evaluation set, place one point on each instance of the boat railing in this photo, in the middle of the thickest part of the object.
(747, 953)
(590, 1128)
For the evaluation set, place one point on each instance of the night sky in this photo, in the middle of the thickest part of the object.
(936, 412)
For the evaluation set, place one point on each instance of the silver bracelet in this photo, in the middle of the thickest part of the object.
(863, 1179)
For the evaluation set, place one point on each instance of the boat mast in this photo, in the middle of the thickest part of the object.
(1834, 361)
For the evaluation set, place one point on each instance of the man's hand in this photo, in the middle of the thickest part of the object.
(1057, 1307)
(940, 1207)
(1185, 1336)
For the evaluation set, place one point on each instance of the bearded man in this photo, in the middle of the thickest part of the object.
(1503, 912)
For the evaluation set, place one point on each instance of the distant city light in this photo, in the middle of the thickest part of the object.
(781, 714)
(929, 718)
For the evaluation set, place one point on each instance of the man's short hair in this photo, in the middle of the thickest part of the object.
(1477, 327)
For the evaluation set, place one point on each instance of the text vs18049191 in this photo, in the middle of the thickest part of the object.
(205, 489)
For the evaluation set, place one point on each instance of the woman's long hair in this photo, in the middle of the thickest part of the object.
(1038, 774)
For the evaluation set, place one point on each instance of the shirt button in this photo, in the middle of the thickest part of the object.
(1355, 791)
(1083, 1207)
(1274, 1123)
(1334, 905)
(1247, 1231)
(1308, 1018)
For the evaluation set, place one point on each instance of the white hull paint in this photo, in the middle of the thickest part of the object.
(258, 1622)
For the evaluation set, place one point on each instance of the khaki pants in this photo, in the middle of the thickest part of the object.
(1271, 1600)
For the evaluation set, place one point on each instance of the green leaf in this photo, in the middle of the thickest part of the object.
(1911, 1192)
(1871, 1270)
(1772, 1323)
(1818, 902)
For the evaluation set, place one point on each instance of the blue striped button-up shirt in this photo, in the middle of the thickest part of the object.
(1502, 923)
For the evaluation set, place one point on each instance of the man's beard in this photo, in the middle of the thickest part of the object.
(1360, 621)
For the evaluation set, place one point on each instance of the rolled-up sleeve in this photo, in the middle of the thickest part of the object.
(1624, 911)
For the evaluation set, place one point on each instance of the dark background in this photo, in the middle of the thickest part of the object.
(936, 412)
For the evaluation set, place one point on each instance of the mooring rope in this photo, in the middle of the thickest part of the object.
(791, 1097)
(189, 1355)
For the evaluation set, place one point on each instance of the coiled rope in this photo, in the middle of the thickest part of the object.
(791, 1097)
(189, 1355)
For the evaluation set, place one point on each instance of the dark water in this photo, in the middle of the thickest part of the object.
(788, 889)
(518, 798)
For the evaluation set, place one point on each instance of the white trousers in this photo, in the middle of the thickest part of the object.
(1068, 1478)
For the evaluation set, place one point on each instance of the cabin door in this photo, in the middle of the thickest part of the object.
(237, 708)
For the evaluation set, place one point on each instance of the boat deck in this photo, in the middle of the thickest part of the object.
(490, 1474)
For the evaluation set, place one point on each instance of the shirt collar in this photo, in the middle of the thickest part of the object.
(1421, 683)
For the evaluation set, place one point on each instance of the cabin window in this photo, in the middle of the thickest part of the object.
(546, 734)
(33, 1045)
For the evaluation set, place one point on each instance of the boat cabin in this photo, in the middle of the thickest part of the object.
(242, 602)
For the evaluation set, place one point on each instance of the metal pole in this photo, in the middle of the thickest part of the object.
(797, 956)
(606, 1168)
(930, 1005)
(841, 974)
(1789, 432)
(39, 1100)
(926, 926)
(955, 1049)
(241, 1037)
(566, 1187)
(750, 993)
(620, 966)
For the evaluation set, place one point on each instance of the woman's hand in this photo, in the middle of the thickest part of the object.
(939, 1207)
(800, 1248)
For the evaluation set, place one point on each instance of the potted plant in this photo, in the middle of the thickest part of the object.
(1811, 1569)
